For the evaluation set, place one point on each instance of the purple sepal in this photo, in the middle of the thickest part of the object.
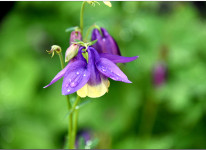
(117, 58)
(107, 68)
(75, 77)
(59, 75)
(94, 73)
(75, 74)
(105, 43)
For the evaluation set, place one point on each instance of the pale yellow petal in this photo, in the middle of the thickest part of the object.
(94, 91)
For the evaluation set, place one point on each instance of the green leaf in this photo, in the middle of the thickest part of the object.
(92, 144)
(81, 143)
(84, 102)
(92, 42)
(76, 40)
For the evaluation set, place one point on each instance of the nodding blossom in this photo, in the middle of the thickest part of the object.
(89, 77)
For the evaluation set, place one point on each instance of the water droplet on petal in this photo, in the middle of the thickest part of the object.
(84, 75)
(73, 84)
(115, 78)
(103, 69)
(77, 73)
(68, 90)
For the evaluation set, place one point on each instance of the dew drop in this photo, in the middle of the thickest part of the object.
(114, 78)
(67, 85)
(68, 90)
(73, 84)
(103, 69)
(77, 73)
(84, 75)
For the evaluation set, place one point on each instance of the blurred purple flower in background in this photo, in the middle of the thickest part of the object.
(85, 135)
(159, 74)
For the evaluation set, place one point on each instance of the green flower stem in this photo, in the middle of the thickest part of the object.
(82, 17)
(69, 108)
(61, 60)
(76, 113)
(147, 125)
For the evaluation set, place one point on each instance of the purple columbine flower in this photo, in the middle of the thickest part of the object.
(90, 77)
(105, 42)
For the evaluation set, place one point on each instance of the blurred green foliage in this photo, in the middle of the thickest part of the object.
(136, 115)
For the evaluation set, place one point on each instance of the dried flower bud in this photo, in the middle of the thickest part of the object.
(75, 35)
(55, 48)
(71, 51)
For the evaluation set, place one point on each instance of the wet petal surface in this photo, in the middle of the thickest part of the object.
(109, 69)
(75, 77)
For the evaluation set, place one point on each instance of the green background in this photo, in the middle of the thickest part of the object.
(137, 115)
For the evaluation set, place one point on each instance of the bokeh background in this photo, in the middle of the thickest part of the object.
(165, 105)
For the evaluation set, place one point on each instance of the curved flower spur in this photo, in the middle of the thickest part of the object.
(90, 77)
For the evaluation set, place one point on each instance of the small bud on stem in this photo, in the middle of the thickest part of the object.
(55, 48)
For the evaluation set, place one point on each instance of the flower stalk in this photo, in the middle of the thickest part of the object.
(69, 108)
(75, 109)
(82, 17)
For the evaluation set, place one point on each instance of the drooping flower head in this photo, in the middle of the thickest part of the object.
(105, 42)
(90, 77)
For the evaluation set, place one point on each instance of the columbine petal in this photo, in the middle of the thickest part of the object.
(59, 75)
(97, 84)
(117, 58)
(109, 69)
(75, 77)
